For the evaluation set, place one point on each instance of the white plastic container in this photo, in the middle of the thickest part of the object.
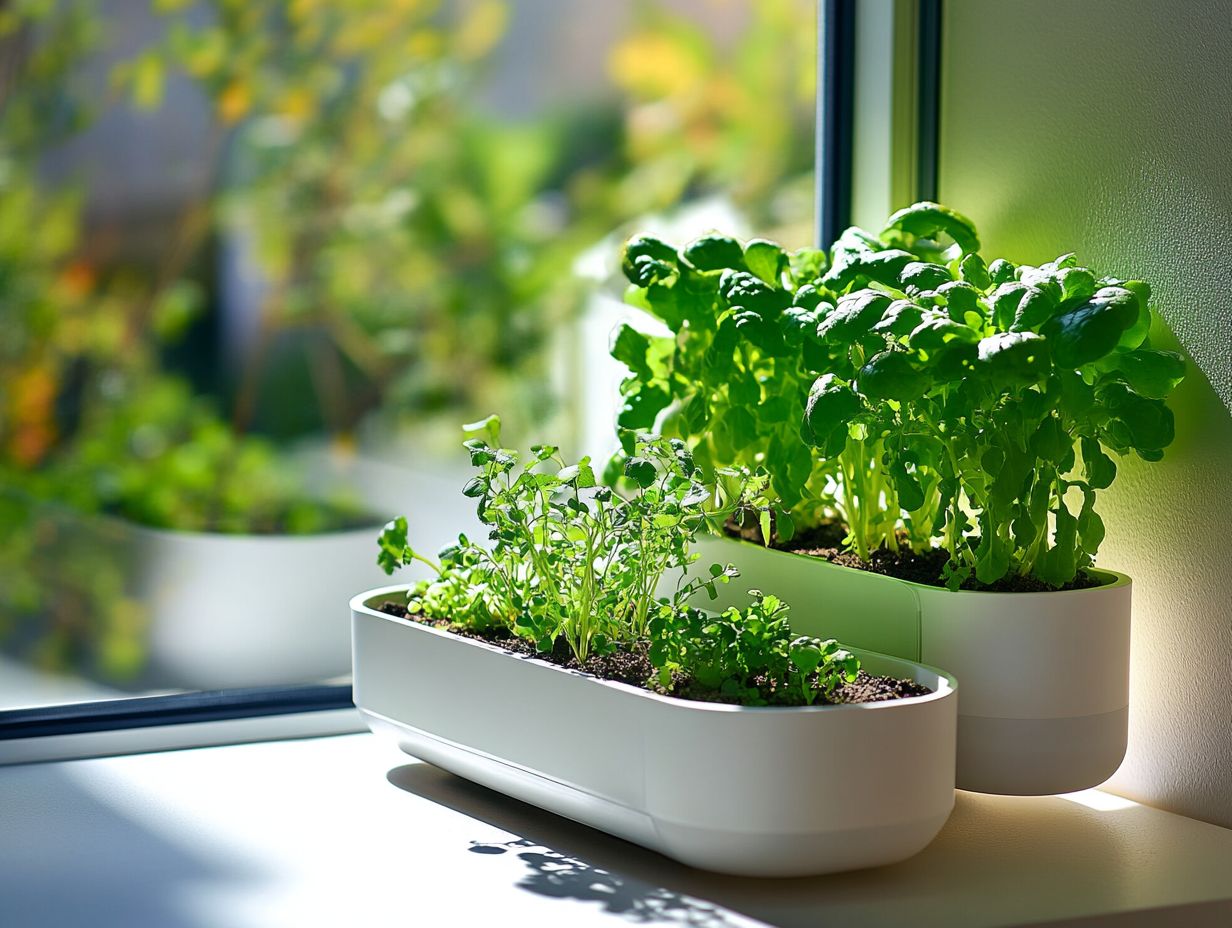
(204, 593)
(1045, 676)
(750, 791)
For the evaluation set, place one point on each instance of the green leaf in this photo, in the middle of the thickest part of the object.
(393, 545)
(742, 289)
(831, 405)
(1051, 441)
(1001, 271)
(1077, 285)
(1090, 526)
(937, 329)
(899, 319)
(642, 406)
(961, 300)
(765, 259)
(714, 252)
(906, 486)
(854, 315)
(1149, 372)
(926, 219)
(1014, 358)
(1035, 308)
(891, 375)
(974, 271)
(487, 428)
(581, 474)
(884, 267)
(1089, 332)
(1136, 333)
(1148, 424)
(1100, 470)
(759, 332)
(642, 252)
(807, 264)
(629, 347)
(641, 471)
(1005, 301)
(805, 654)
(744, 390)
(921, 275)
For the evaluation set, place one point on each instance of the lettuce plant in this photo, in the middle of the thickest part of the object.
(570, 560)
(952, 402)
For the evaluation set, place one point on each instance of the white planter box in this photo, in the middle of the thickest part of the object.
(753, 791)
(1045, 676)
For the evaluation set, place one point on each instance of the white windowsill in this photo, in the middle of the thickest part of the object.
(349, 831)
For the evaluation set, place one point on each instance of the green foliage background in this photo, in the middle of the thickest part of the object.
(415, 247)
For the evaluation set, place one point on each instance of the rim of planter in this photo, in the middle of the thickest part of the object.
(359, 603)
(1111, 579)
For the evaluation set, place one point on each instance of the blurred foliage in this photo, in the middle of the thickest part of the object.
(413, 244)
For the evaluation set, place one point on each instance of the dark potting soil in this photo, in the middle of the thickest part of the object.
(826, 542)
(633, 667)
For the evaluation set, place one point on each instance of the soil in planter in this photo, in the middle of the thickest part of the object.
(825, 541)
(633, 667)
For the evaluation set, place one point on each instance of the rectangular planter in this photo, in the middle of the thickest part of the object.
(753, 791)
(1045, 676)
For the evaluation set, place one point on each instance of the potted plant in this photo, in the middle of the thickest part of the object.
(942, 423)
(544, 666)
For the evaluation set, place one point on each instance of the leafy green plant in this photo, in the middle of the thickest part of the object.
(575, 561)
(570, 558)
(748, 655)
(950, 401)
(733, 378)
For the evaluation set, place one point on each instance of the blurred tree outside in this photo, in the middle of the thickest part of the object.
(406, 248)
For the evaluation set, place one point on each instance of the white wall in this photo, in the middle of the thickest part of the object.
(1106, 128)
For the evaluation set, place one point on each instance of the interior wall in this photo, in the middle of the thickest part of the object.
(1105, 128)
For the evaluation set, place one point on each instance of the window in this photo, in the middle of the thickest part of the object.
(257, 262)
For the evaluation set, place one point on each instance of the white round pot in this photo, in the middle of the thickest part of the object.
(1045, 676)
(248, 610)
(751, 791)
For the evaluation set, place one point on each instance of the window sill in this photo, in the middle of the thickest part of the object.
(346, 830)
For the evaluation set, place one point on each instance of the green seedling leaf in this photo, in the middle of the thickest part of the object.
(641, 471)
(487, 429)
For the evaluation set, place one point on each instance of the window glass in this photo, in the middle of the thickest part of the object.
(258, 262)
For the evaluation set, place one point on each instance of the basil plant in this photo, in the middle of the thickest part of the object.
(905, 385)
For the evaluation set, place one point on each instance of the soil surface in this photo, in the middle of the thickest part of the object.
(634, 667)
(826, 542)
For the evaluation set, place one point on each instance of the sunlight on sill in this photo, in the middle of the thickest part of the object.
(1099, 801)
